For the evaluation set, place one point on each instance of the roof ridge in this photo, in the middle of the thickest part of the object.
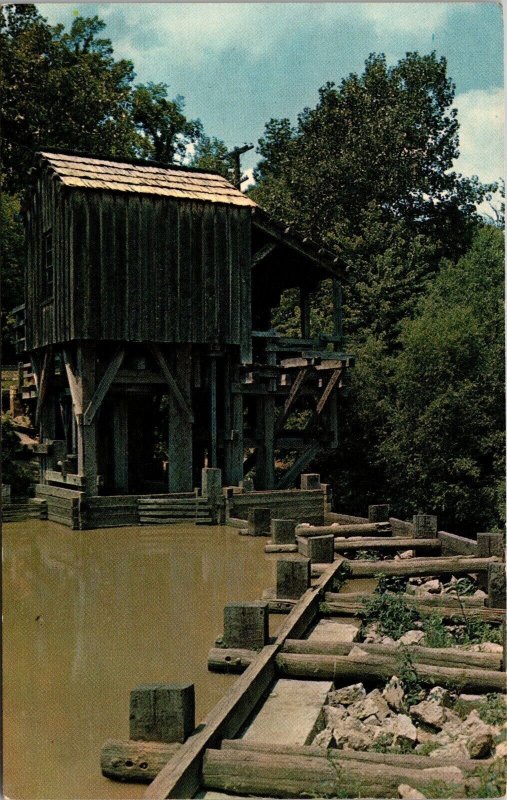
(141, 162)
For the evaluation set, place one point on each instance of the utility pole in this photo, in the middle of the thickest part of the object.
(235, 156)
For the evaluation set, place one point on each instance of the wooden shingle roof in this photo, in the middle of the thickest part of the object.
(142, 178)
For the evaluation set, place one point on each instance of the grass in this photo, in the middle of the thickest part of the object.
(391, 614)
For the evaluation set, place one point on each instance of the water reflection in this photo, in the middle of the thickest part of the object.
(87, 616)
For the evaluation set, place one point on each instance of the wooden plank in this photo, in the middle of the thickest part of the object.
(299, 466)
(43, 383)
(181, 776)
(294, 391)
(104, 386)
(333, 380)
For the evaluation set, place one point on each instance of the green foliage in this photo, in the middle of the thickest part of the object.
(391, 583)
(367, 555)
(435, 632)
(382, 745)
(475, 631)
(391, 614)
(164, 130)
(427, 747)
(493, 709)
(408, 675)
(14, 472)
(492, 780)
(211, 154)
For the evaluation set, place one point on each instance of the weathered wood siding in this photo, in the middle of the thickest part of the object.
(301, 505)
(138, 268)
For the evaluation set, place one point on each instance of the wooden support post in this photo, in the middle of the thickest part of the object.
(310, 480)
(102, 389)
(378, 513)
(496, 585)
(319, 549)
(259, 521)
(213, 411)
(292, 578)
(265, 463)
(283, 531)
(211, 488)
(180, 473)
(120, 444)
(162, 712)
(136, 762)
(425, 526)
(490, 544)
(87, 435)
(246, 625)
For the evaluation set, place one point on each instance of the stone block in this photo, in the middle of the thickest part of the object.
(378, 513)
(496, 585)
(259, 521)
(319, 549)
(425, 526)
(310, 480)
(490, 544)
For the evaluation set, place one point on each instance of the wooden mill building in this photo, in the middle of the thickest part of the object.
(148, 303)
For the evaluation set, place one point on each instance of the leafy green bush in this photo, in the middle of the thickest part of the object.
(391, 614)
(391, 583)
(435, 632)
(493, 709)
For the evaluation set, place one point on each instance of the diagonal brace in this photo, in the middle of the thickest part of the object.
(171, 382)
(103, 387)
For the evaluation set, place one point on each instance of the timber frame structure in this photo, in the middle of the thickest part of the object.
(151, 287)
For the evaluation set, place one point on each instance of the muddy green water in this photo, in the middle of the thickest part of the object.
(88, 616)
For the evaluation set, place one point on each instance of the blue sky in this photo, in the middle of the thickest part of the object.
(239, 64)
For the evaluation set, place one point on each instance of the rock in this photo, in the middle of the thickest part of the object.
(415, 581)
(486, 647)
(334, 715)
(324, 739)
(433, 586)
(368, 707)
(393, 693)
(402, 728)
(439, 695)
(411, 637)
(479, 744)
(424, 736)
(406, 792)
(347, 695)
(453, 723)
(480, 593)
(406, 554)
(385, 640)
(429, 712)
(452, 751)
(351, 735)
(501, 750)
(371, 723)
(443, 738)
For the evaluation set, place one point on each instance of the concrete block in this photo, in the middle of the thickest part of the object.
(327, 630)
(283, 531)
(259, 521)
(292, 578)
(162, 712)
(425, 526)
(290, 714)
(319, 549)
(378, 513)
(246, 625)
(310, 480)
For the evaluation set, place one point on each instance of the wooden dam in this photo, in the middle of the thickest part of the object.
(151, 367)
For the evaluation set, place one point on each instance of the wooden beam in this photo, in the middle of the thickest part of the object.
(75, 385)
(333, 380)
(294, 391)
(103, 387)
(175, 389)
(262, 253)
(43, 384)
(299, 465)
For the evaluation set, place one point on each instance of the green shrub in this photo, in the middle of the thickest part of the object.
(435, 632)
(391, 614)
(493, 709)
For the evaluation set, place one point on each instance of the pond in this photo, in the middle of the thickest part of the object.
(87, 617)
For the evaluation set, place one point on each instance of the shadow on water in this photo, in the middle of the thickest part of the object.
(87, 616)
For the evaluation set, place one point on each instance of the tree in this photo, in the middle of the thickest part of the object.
(443, 448)
(164, 130)
(212, 154)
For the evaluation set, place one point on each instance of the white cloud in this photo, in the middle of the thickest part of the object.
(393, 18)
(480, 114)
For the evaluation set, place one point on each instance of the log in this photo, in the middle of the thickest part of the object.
(448, 656)
(453, 565)
(253, 772)
(433, 600)
(138, 762)
(387, 543)
(360, 529)
(230, 659)
(369, 666)
(340, 604)
(280, 548)
(413, 760)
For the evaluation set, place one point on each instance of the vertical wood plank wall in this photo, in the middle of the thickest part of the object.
(136, 268)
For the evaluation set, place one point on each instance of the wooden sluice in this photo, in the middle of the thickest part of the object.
(250, 744)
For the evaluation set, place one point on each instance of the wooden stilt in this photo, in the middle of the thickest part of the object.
(120, 444)
(87, 444)
(180, 473)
